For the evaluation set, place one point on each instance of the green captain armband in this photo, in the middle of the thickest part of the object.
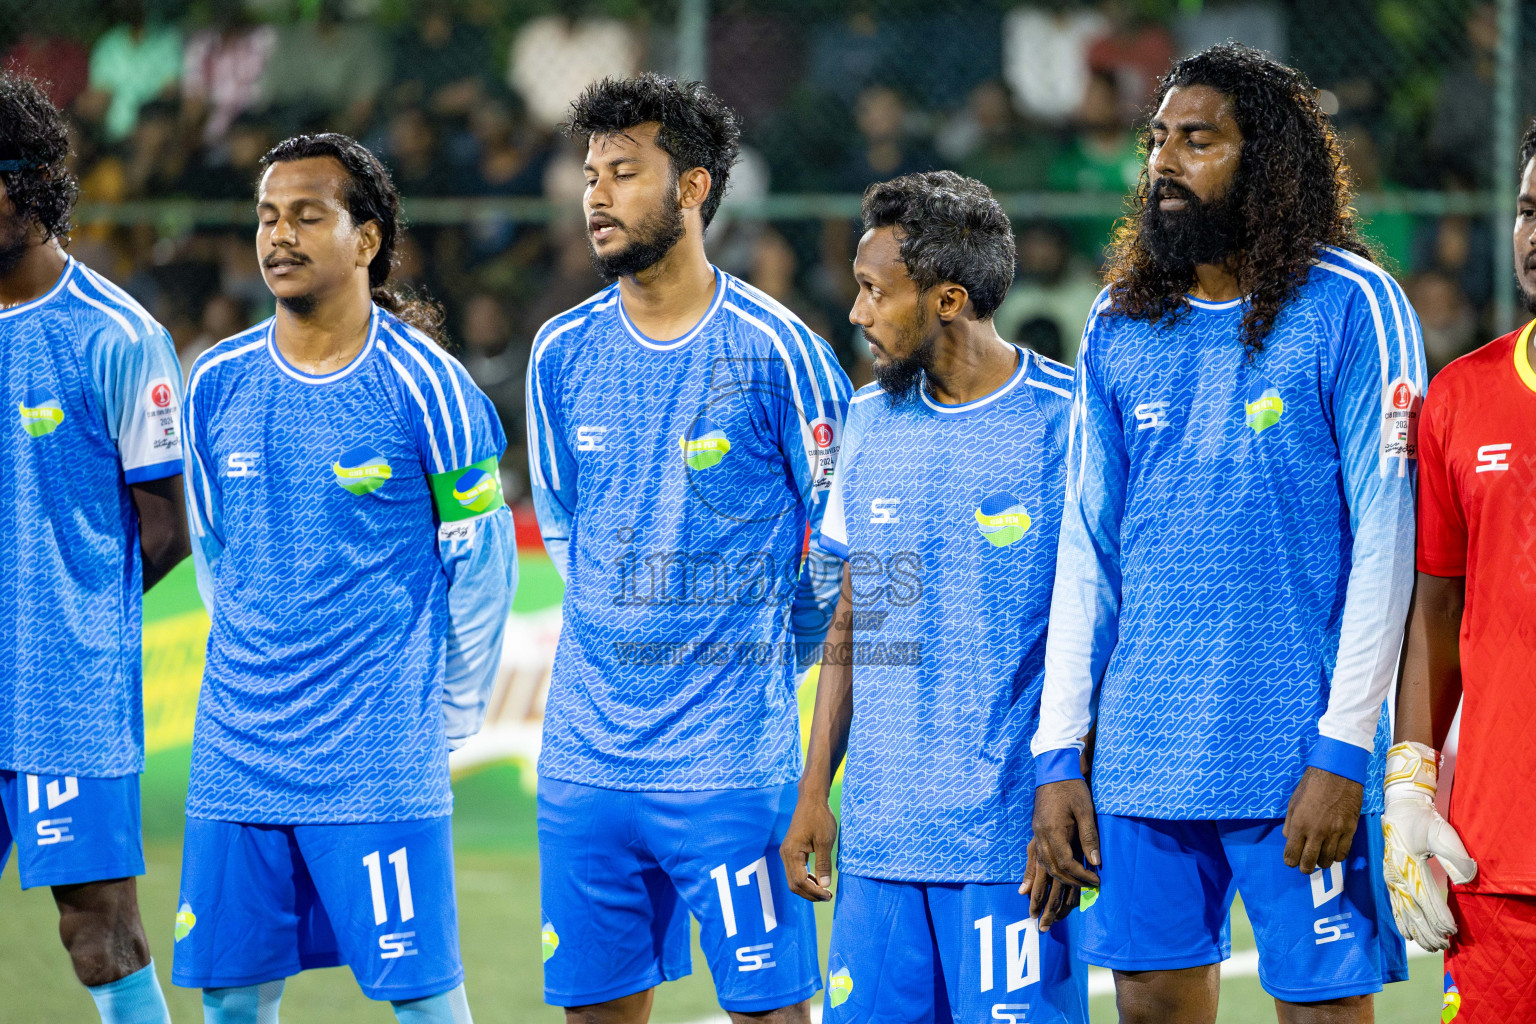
(468, 492)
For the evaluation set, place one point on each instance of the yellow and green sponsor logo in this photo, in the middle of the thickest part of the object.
(1264, 409)
(1452, 1005)
(705, 447)
(839, 986)
(476, 490)
(41, 413)
(362, 470)
(1002, 519)
(1087, 898)
(468, 492)
(550, 939)
(185, 921)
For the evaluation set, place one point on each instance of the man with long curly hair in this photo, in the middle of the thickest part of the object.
(90, 480)
(1235, 564)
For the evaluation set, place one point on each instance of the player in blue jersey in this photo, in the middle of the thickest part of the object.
(90, 478)
(358, 561)
(945, 511)
(1236, 560)
(683, 428)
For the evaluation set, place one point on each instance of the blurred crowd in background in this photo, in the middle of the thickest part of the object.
(178, 99)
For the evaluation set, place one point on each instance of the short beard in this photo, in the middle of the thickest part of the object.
(301, 306)
(650, 241)
(1203, 233)
(13, 249)
(901, 378)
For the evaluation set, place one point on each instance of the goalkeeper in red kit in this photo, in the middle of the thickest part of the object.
(1472, 638)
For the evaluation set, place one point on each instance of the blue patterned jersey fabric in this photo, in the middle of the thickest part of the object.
(674, 483)
(948, 517)
(92, 399)
(343, 661)
(1237, 549)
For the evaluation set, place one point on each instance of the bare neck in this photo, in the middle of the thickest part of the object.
(330, 336)
(665, 300)
(32, 277)
(971, 361)
(1215, 282)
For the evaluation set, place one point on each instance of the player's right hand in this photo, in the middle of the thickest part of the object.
(1066, 834)
(1414, 831)
(812, 832)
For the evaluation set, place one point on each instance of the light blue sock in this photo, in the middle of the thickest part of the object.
(446, 1008)
(136, 999)
(248, 1004)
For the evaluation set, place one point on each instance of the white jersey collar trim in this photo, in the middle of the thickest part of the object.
(950, 410)
(335, 375)
(49, 295)
(675, 343)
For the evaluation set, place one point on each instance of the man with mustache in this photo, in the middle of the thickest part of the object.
(683, 427)
(1236, 561)
(1471, 637)
(358, 562)
(90, 478)
(945, 513)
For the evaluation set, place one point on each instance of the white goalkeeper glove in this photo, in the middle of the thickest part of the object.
(1414, 831)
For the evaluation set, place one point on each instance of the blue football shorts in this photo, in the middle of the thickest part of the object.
(264, 902)
(1165, 901)
(620, 872)
(70, 829)
(922, 952)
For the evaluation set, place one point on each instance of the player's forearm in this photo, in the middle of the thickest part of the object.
(833, 714)
(483, 577)
(1430, 687)
(163, 537)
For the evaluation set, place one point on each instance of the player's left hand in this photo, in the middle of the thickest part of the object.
(1050, 899)
(1321, 820)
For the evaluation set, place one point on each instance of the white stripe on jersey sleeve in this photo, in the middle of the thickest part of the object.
(437, 390)
(453, 368)
(536, 385)
(213, 357)
(790, 322)
(1048, 387)
(421, 402)
(122, 321)
(808, 446)
(118, 297)
(1407, 352)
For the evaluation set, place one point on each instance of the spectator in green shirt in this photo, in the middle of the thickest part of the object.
(132, 63)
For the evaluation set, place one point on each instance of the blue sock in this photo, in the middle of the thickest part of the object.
(445, 1008)
(248, 1004)
(136, 999)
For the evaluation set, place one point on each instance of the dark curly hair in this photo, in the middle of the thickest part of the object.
(1527, 147)
(1296, 195)
(370, 196)
(697, 128)
(952, 229)
(33, 132)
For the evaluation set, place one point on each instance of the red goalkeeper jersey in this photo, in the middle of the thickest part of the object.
(1477, 518)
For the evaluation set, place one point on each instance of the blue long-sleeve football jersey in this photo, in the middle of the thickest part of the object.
(92, 400)
(358, 562)
(947, 516)
(1237, 549)
(674, 483)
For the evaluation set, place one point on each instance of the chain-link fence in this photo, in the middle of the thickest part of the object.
(173, 102)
